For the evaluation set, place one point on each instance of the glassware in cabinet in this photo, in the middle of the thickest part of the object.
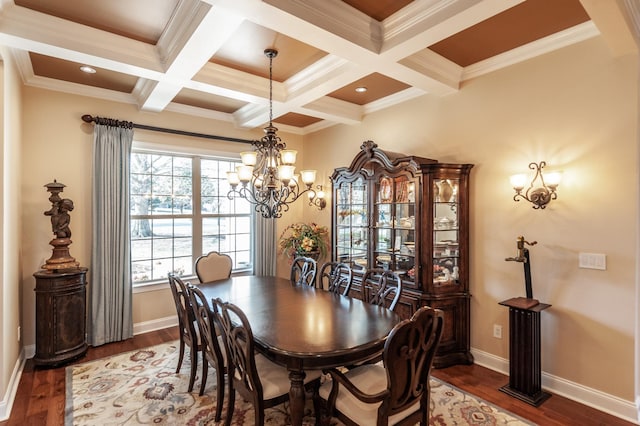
(446, 238)
(351, 228)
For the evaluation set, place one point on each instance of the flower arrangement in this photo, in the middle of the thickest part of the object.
(302, 239)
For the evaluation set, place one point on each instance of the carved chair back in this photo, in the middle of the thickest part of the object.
(336, 277)
(382, 287)
(303, 271)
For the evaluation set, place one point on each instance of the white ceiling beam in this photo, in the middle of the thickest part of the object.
(193, 36)
(334, 110)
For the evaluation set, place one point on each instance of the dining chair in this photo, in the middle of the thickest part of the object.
(256, 378)
(189, 335)
(398, 390)
(336, 277)
(213, 266)
(303, 271)
(212, 344)
(380, 286)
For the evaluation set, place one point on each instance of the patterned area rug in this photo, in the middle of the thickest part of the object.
(141, 387)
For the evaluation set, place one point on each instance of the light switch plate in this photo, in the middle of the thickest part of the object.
(592, 261)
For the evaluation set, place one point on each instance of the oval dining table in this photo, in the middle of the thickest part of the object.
(304, 328)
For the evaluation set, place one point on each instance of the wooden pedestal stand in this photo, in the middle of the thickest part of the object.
(60, 292)
(525, 378)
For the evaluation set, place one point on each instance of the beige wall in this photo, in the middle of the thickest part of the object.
(576, 109)
(10, 231)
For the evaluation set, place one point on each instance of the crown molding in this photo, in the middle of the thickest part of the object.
(545, 45)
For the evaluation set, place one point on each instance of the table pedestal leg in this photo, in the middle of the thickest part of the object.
(296, 396)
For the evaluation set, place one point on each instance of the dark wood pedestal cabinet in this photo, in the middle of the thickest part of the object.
(60, 316)
(525, 375)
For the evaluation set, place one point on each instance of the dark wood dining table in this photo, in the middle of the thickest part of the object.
(304, 328)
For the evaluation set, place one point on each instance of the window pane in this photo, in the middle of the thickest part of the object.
(161, 165)
(140, 204)
(141, 271)
(141, 184)
(140, 163)
(182, 166)
(243, 242)
(140, 249)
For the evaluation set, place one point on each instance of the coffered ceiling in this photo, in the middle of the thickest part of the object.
(205, 58)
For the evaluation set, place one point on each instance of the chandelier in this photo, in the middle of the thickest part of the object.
(266, 177)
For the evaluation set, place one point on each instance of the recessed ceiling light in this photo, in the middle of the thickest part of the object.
(361, 89)
(87, 69)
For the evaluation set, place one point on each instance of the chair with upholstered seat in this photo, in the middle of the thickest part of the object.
(189, 335)
(396, 392)
(213, 266)
(257, 379)
(382, 287)
(212, 345)
(303, 271)
(335, 277)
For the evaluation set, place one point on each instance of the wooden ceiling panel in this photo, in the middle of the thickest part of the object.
(522, 24)
(245, 52)
(296, 120)
(142, 20)
(380, 9)
(59, 69)
(378, 86)
(208, 101)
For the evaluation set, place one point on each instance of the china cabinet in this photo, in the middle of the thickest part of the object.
(409, 214)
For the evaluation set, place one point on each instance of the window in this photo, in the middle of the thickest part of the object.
(180, 210)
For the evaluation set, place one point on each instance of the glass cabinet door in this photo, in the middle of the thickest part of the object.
(352, 223)
(394, 226)
(446, 253)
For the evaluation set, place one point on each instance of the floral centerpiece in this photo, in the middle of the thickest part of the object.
(302, 239)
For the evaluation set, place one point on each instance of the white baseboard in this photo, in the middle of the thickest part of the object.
(158, 324)
(609, 404)
(7, 401)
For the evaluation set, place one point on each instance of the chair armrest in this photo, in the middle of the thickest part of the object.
(339, 378)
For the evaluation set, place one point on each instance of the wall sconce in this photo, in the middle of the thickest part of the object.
(316, 198)
(543, 193)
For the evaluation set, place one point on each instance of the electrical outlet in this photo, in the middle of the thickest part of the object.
(497, 331)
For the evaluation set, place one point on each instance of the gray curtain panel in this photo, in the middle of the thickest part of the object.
(265, 246)
(110, 317)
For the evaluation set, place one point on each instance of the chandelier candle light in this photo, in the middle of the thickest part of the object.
(267, 176)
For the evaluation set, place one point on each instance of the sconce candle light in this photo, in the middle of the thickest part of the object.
(538, 193)
(316, 198)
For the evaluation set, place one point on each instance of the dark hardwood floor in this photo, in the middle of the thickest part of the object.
(41, 392)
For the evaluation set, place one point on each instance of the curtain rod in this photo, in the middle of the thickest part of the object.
(128, 124)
